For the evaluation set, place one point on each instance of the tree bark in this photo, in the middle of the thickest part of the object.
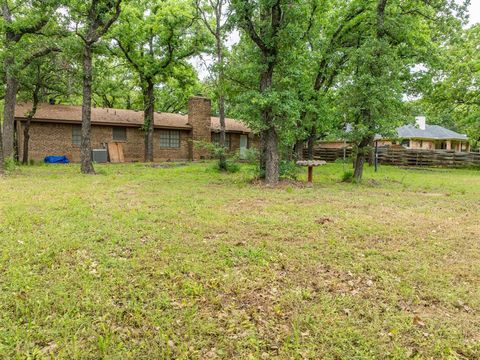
(311, 143)
(298, 149)
(221, 102)
(359, 162)
(26, 130)
(362, 153)
(271, 157)
(2, 160)
(149, 104)
(86, 146)
(270, 138)
(9, 109)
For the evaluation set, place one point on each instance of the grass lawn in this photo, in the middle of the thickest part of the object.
(151, 263)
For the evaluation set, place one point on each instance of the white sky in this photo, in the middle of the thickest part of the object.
(475, 11)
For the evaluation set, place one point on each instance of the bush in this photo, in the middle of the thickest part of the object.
(288, 170)
(232, 166)
(347, 176)
(218, 152)
(10, 164)
(251, 156)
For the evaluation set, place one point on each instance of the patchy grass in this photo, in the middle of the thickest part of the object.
(147, 262)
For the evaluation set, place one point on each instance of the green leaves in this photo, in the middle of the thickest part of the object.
(454, 97)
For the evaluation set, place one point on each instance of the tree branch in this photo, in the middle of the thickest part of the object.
(40, 53)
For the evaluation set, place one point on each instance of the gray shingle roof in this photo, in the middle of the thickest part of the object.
(430, 132)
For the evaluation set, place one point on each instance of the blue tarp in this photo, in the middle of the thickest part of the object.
(56, 160)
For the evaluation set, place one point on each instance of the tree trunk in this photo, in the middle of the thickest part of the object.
(359, 161)
(149, 104)
(311, 143)
(269, 153)
(221, 96)
(222, 161)
(298, 149)
(9, 109)
(26, 131)
(362, 151)
(2, 160)
(86, 146)
(262, 156)
(271, 157)
(371, 155)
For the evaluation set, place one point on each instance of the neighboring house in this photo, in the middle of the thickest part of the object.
(56, 130)
(429, 137)
(419, 136)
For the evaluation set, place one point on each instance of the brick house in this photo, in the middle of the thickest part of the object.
(56, 130)
(418, 136)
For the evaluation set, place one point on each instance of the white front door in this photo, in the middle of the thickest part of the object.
(243, 146)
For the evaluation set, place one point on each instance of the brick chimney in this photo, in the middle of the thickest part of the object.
(199, 113)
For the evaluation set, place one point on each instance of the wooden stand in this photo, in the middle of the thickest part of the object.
(310, 164)
(310, 174)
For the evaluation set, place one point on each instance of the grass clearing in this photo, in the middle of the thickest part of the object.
(150, 262)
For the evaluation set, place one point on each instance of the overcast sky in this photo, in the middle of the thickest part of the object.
(475, 12)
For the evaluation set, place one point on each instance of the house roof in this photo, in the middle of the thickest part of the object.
(230, 125)
(117, 117)
(435, 132)
(431, 132)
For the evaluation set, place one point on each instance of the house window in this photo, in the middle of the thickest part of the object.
(120, 134)
(216, 139)
(169, 138)
(76, 135)
(405, 143)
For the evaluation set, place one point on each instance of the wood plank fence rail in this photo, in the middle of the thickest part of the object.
(408, 157)
(328, 154)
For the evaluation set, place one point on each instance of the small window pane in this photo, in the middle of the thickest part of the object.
(120, 134)
(216, 139)
(174, 139)
(76, 135)
(169, 138)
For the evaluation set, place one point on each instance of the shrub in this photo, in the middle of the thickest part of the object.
(288, 170)
(232, 166)
(10, 164)
(347, 176)
(251, 156)
(225, 161)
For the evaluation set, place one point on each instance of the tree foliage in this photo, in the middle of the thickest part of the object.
(454, 97)
(156, 39)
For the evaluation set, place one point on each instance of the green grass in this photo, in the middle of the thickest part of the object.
(183, 262)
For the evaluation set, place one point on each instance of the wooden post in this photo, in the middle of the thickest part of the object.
(310, 174)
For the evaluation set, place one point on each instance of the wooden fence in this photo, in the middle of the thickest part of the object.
(420, 157)
(328, 154)
(407, 157)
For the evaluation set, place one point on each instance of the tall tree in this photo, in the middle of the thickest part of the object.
(330, 34)
(155, 38)
(20, 21)
(454, 98)
(92, 21)
(273, 29)
(42, 80)
(215, 18)
(393, 37)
